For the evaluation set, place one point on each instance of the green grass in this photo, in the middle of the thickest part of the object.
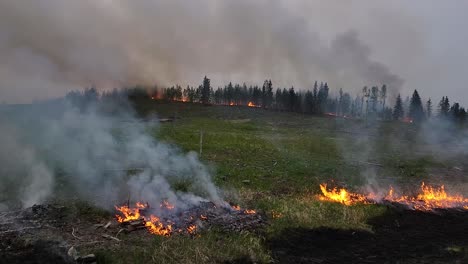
(273, 162)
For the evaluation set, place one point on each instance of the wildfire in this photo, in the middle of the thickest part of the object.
(341, 196)
(251, 104)
(192, 229)
(155, 226)
(428, 198)
(165, 204)
(152, 223)
(139, 216)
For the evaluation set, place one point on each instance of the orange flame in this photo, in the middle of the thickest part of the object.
(427, 199)
(341, 196)
(192, 229)
(129, 214)
(155, 226)
(250, 211)
(251, 104)
(166, 205)
(430, 198)
(152, 223)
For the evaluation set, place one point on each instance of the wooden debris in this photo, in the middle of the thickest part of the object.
(98, 225)
(75, 236)
(107, 225)
(110, 237)
(87, 259)
(72, 252)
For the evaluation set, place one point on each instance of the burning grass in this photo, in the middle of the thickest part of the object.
(427, 199)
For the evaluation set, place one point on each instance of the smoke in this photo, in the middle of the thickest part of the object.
(48, 47)
(54, 150)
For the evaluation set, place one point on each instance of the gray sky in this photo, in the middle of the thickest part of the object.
(48, 47)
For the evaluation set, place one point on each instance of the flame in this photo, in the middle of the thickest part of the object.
(341, 196)
(162, 227)
(129, 214)
(251, 104)
(152, 223)
(166, 205)
(430, 198)
(192, 229)
(155, 226)
(276, 215)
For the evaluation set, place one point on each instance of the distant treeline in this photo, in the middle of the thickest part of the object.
(370, 103)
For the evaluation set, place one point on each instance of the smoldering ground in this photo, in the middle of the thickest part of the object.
(58, 149)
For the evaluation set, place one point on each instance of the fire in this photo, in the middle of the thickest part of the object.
(166, 205)
(276, 215)
(341, 196)
(152, 223)
(139, 216)
(155, 226)
(430, 198)
(129, 214)
(251, 104)
(192, 229)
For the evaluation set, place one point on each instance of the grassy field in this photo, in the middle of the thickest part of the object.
(274, 162)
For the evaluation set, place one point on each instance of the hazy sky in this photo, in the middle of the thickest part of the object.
(48, 47)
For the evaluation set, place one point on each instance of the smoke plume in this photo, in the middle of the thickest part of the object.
(87, 153)
(48, 47)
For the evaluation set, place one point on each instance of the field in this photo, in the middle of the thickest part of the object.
(273, 162)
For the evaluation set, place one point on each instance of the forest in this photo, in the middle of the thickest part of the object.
(370, 103)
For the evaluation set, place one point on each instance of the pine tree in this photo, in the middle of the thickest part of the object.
(444, 107)
(416, 111)
(398, 111)
(205, 92)
(322, 98)
(315, 95)
(455, 111)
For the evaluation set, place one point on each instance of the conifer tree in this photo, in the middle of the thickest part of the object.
(416, 111)
(398, 111)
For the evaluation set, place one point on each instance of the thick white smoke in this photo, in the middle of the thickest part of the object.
(87, 153)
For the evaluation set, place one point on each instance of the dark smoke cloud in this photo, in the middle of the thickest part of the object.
(48, 47)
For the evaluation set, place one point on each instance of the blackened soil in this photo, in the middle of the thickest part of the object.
(397, 237)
